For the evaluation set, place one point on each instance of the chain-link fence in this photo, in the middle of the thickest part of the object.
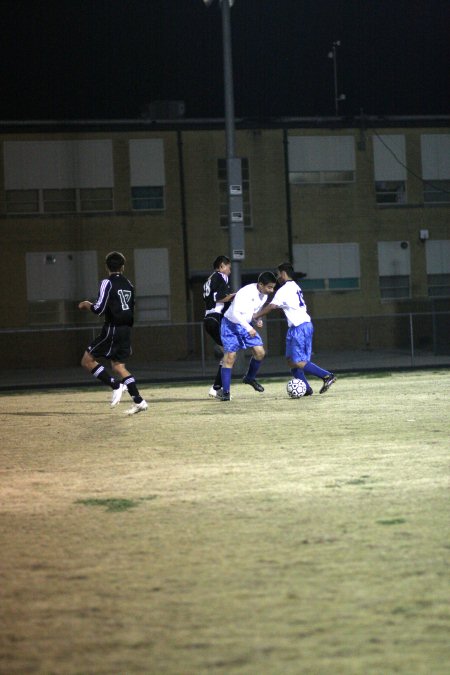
(179, 351)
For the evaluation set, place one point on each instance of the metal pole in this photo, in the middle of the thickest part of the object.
(228, 79)
(337, 97)
(336, 104)
(234, 169)
(234, 173)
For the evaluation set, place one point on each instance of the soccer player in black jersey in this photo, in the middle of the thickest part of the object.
(116, 302)
(217, 296)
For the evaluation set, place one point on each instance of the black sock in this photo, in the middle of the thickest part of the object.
(218, 381)
(101, 374)
(132, 388)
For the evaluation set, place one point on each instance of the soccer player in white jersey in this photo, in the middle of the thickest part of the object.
(238, 333)
(289, 298)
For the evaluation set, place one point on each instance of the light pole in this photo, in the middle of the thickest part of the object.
(234, 170)
(333, 55)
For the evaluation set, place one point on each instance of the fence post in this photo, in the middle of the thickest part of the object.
(202, 342)
(411, 337)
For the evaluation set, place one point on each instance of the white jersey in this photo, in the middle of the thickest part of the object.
(289, 298)
(247, 301)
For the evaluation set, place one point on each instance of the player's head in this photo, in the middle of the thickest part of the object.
(220, 262)
(266, 282)
(287, 268)
(115, 261)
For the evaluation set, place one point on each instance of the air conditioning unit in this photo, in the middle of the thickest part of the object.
(164, 110)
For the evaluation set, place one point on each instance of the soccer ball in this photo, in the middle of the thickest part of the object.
(296, 388)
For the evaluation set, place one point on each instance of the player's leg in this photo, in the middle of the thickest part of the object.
(232, 343)
(211, 325)
(90, 364)
(218, 379)
(228, 362)
(298, 373)
(121, 372)
(128, 381)
(120, 351)
(297, 354)
(253, 367)
(311, 368)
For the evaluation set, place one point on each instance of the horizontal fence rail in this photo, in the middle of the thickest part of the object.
(179, 351)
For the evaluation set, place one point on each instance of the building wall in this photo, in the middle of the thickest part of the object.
(284, 215)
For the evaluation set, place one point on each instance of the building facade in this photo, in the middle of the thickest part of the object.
(361, 207)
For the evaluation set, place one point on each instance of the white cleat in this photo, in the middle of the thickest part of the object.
(137, 407)
(216, 393)
(117, 395)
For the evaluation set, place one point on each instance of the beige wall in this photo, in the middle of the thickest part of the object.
(320, 214)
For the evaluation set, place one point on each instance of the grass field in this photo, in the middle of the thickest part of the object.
(260, 536)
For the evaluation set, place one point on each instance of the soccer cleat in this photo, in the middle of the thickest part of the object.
(117, 395)
(253, 383)
(327, 382)
(217, 394)
(224, 395)
(309, 392)
(137, 407)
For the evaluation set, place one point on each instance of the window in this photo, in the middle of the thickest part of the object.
(152, 279)
(311, 177)
(436, 168)
(438, 285)
(394, 269)
(223, 190)
(436, 192)
(58, 176)
(321, 159)
(438, 267)
(390, 192)
(153, 308)
(389, 158)
(329, 267)
(59, 201)
(95, 199)
(147, 174)
(56, 280)
(22, 201)
(394, 286)
(147, 198)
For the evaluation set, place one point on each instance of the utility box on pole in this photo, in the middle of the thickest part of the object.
(235, 209)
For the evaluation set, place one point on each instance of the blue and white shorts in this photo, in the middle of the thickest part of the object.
(236, 337)
(299, 342)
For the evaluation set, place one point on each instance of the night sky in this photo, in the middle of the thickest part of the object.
(105, 59)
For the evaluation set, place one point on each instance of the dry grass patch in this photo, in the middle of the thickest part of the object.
(263, 535)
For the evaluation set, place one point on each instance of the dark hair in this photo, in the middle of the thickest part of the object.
(220, 260)
(267, 278)
(114, 261)
(287, 267)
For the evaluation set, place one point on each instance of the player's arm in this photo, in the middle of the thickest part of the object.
(85, 304)
(227, 298)
(99, 306)
(265, 310)
(241, 310)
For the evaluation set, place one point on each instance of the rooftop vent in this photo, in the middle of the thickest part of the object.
(164, 110)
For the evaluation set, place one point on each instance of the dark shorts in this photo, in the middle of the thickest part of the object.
(113, 343)
(211, 324)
